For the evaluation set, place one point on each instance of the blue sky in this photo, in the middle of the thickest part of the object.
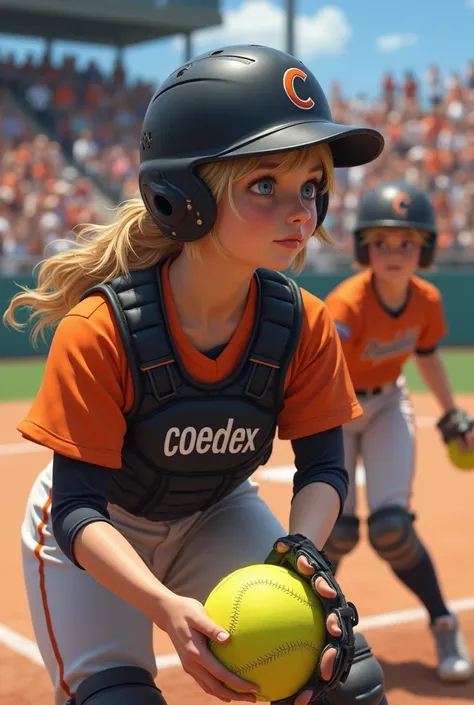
(352, 41)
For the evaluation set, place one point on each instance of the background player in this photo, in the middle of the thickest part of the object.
(163, 389)
(385, 315)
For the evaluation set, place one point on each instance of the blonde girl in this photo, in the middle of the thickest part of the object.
(180, 350)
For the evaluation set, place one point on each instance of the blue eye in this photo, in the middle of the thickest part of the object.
(264, 187)
(309, 190)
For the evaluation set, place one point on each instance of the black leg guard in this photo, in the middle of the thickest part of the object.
(123, 685)
(365, 683)
(343, 538)
(393, 537)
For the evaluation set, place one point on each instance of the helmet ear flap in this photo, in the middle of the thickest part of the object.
(322, 205)
(180, 204)
(428, 252)
(361, 251)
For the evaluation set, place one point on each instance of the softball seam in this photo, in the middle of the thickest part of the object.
(283, 650)
(259, 581)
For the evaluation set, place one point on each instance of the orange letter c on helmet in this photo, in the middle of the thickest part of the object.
(289, 86)
(401, 203)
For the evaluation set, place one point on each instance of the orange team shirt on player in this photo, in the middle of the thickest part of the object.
(377, 343)
(87, 388)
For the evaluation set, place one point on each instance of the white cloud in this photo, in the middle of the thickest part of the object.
(262, 22)
(393, 42)
(470, 3)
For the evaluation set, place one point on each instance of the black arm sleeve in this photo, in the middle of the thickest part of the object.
(320, 458)
(425, 352)
(79, 497)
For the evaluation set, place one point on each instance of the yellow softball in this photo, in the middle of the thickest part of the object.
(464, 460)
(277, 628)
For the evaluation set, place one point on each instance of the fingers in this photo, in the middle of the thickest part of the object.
(282, 548)
(202, 684)
(200, 663)
(466, 443)
(327, 664)
(321, 585)
(324, 589)
(333, 626)
(469, 440)
(215, 687)
(304, 698)
(220, 672)
(303, 566)
(207, 661)
(213, 631)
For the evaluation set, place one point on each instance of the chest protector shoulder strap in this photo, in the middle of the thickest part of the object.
(137, 302)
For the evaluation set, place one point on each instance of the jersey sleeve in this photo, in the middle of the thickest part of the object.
(435, 327)
(345, 320)
(319, 393)
(80, 407)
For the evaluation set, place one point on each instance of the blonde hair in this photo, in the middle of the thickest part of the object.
(369, 235)
(132, 241)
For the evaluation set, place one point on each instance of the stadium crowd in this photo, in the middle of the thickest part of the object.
(91, 124)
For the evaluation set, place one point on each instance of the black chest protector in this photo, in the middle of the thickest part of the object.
(190, 444)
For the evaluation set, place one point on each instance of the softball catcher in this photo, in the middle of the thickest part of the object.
(385, 315)
(180, 352)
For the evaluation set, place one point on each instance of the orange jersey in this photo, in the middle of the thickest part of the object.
(87, 387)
(377, 342)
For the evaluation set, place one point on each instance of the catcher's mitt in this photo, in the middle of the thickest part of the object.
(346, 612)
(455, 424)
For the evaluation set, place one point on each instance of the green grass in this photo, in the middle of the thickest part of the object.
(460, 366)
(20, 379)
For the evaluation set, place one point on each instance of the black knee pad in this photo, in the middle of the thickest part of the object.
(123, 685)
(392, 535)
(343, 538)
(365, 682)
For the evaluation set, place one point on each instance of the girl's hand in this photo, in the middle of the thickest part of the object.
(186, 622)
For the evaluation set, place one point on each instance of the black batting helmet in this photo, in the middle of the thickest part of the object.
(396, 204)
(239, 101)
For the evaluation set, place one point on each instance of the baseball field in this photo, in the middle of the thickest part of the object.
(391, 618)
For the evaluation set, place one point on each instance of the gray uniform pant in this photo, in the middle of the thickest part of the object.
(383, 438)
(82, 628)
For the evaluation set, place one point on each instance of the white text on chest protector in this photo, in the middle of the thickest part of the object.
(205, 440)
